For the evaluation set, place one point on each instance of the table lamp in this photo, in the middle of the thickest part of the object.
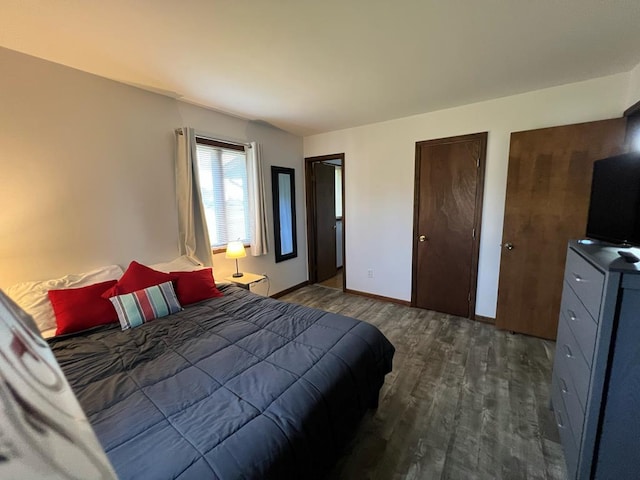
(235, 250)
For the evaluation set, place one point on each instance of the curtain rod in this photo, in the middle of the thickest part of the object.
(224, 140)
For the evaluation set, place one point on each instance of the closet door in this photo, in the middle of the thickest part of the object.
(447, 212)
(548, 188)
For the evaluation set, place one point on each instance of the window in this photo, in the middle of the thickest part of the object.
(222, 171)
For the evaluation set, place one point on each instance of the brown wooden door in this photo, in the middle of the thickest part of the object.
(447, 208)
(548, 188)
(325, 206)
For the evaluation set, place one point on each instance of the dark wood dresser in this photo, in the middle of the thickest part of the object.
(595, 392)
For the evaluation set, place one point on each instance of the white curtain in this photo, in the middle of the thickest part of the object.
(193, 239)
(259, 243)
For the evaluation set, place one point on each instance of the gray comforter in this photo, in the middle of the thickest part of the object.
(240, 386)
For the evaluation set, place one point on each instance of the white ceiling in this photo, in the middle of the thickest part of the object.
(314, 66)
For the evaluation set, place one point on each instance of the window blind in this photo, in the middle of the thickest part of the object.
(223, 182)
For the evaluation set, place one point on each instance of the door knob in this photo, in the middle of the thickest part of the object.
(508, 246)
(422, 238)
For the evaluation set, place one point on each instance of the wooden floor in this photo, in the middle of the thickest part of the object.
(464, 400)
(334, 282)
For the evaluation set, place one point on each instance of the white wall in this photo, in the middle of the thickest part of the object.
(633, 92)
(379, 176)
(87, 175)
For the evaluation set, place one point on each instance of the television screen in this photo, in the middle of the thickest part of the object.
(614, 208)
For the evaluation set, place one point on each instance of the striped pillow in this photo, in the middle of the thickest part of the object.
(139, 307)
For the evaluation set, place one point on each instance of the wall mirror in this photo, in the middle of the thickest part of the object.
(284, 212)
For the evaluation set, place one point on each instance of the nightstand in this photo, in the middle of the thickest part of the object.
(246, 280)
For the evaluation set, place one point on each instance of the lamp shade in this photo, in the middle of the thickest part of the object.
(235, 250)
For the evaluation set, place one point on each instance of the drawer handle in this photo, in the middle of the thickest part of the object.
(564, 387)
(572, 315)
(559, 420)
(578, 278)
(567, 350)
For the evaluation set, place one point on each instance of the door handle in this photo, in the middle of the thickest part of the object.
(422, 238)
(508, 246)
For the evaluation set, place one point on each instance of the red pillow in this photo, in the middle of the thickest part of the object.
(192, 287)
(138, 277)
(82, 308)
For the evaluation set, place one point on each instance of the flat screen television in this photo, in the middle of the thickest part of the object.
(614, 207)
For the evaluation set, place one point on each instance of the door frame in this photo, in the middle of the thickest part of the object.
(310, 189)
(477, 221)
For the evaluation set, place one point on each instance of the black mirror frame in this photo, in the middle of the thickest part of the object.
(275, 190)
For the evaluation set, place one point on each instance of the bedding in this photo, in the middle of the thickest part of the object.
(137, 308)
(138, 277)
(183, 263)
(193, 287)
(78, 309)
(238, 386)
(32, 296)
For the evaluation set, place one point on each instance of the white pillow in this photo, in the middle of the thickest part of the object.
(180, 264)
(32, 296)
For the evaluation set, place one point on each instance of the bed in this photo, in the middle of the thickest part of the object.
(240, 386)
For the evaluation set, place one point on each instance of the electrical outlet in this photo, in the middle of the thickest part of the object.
(370, 273)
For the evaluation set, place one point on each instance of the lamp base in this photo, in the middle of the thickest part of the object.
(237, 275)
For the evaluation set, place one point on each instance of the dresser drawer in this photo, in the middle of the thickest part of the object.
(569, 445)
(572, 367)
(575, 413)
(581, 323)
(586, 281)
